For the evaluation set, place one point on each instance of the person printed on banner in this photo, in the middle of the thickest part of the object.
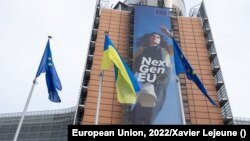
(152, 67)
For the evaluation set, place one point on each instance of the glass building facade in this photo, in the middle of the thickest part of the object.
(178, 4)
(241, 121)
(37, 126)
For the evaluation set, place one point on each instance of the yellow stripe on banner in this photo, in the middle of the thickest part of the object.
(125, 89)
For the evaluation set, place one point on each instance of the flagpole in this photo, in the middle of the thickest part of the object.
(99, 98)
(25, 110)
(26, 106)
(181, 102)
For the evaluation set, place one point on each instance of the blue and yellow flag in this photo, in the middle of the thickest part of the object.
(183, 66)
(126, 84)
(52, 79)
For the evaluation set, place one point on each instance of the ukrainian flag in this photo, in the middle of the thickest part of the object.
(126, 84)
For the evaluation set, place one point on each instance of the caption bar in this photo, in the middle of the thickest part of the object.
(147, 131)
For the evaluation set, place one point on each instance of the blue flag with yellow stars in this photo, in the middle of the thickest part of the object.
(183, 66)
(52, 79)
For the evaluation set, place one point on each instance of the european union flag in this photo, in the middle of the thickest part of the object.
(52, 79)
(183, 66)
(126, 84)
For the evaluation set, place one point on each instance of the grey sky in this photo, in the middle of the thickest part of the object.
(24, 28)
(230, 22)
(25, 25)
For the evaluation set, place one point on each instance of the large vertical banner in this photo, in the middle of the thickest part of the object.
(153, 66)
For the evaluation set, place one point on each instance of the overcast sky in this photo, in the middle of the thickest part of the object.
(25, 25)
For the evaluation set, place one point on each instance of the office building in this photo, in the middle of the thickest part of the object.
(51, 125)
(125, 26)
